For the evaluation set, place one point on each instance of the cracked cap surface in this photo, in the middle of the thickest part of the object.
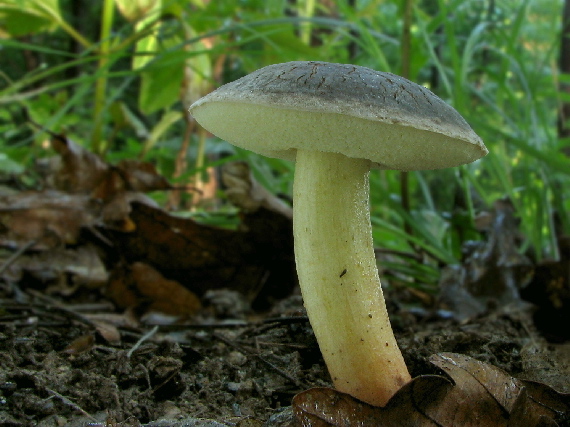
(348, 109)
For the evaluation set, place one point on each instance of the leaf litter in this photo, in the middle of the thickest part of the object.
(470, 393)
(115, 312)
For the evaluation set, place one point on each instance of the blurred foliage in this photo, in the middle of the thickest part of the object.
(118, 75)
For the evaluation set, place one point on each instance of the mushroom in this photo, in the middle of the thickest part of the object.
(336, 122)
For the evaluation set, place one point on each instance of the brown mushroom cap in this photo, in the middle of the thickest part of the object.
(348, 109)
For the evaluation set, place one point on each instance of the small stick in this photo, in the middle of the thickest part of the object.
(68, 402)
(16, 255)
(240, 324)
(141, 340)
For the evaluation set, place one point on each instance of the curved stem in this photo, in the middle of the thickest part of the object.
(339, 277)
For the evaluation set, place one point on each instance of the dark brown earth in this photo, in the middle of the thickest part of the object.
(228, 368)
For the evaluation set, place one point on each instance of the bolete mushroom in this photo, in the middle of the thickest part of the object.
(337, 121)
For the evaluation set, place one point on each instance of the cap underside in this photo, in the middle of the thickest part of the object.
(279, 132)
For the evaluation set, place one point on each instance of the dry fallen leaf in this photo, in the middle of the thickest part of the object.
(80, 345)
(142, 176)
(249, 195)
(92, 201)
(546, 403)
(76, 170)
(108, 331)
(320, 407)
(258, 263)
(492, 271)
(140, 285)
(48, 218)
(62, 270)
(472, 393)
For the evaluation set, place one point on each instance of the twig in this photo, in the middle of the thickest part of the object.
(68, 402)
(16, 255)
(162, 384)
(141, 340)
(58, 306)
(240, 324)
(287, 320)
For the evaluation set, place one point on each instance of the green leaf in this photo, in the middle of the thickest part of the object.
(147, 12)
(145, 49)
(17, 23)
(9, 166)
(160, 87)
(22, 17)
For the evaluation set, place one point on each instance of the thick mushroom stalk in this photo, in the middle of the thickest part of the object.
(339, 278)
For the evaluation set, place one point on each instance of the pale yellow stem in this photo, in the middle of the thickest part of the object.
(339, 278)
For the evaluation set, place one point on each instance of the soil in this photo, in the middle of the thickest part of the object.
(227, 368)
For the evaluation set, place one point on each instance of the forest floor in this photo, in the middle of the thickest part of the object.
(55, 370)
(87, 263)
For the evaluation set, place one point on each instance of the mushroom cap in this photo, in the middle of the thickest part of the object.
(348, 109)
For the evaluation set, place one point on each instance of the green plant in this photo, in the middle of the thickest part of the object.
(120, 83)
